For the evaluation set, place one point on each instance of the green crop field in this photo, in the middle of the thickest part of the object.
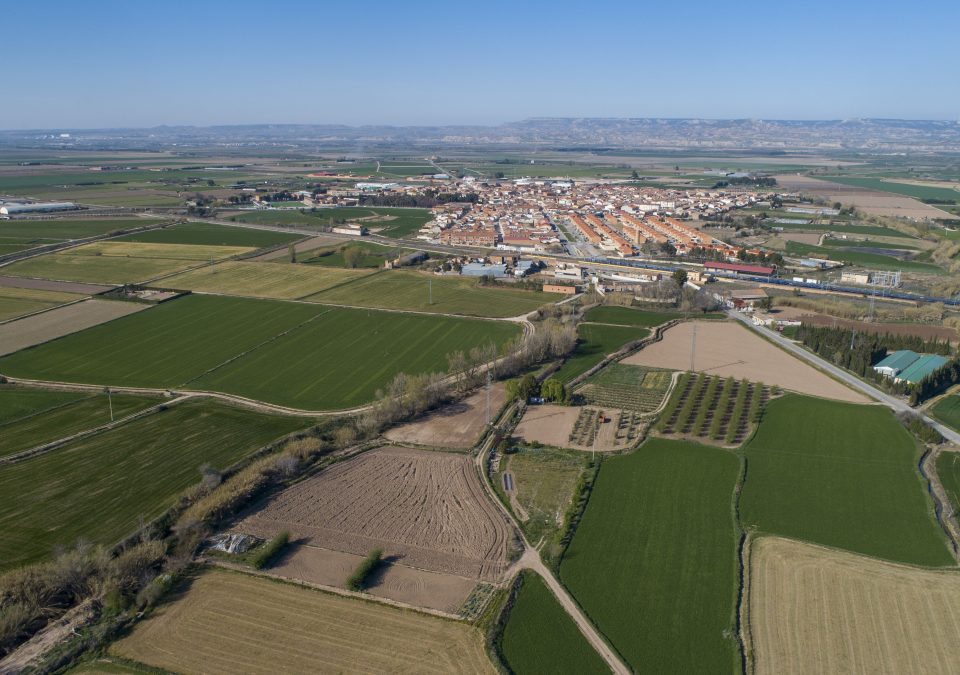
(67, 420)
(95, 269)
(398, 289)
(653, 562)
(374, 255)
(16, 302)
(391, 222)
(867, 243)
(843, 475)
(282, 281)
(211, 234)
(540, 637)
(31, 233)
(906, 189)
(947, 411)
(595, 342)
(948, 470)
(627, 387)
(861, 230)
(99, 487)
(17, 403)
(627, 316)
(874, 260)
(296, 354)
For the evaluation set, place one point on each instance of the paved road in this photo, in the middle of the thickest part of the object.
(853, 381)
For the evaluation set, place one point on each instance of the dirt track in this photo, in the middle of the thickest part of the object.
(454, 426)
(814, 610)
(33, 330)
(729, 350)
(425, 509)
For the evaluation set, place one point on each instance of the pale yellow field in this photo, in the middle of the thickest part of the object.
(815, 610)
(228, 622)
(263, 280)
(133, 249)
(18, 301)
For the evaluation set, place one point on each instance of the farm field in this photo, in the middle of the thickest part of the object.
(211, 234)
(844, 476)
(889, 185)
(251, 348)
(861, 230)
(390, 222)
(707, 408)
(373, 255)
(279, 281)
(432, 513)
(457, 425)
(304, 247)
(16, 302)
(626, 387)
(729, 350)
(541, 638)
(392, 581)
(33, 330)
(870, 201)
(58, 286)
(544, 480)
(451, 295)
(585, 428)
(32, 233)
(87, 413)
(97, 488)
(653, 560)
(222, 622)
(627, 316)
(947, 411)
(17, 403)
(818, 610)
(948, 470)
(865, 259)
(149, 250)
(595, 342)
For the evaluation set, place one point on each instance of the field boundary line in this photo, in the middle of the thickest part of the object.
(53, 445)
(745, 636)
(45, 410)
(47, 309)
(942, 505)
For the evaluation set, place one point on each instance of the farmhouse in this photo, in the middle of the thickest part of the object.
(352, 230)
(906, 365)
(560, 288)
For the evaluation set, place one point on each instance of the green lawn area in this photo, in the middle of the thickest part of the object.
(541, 638)
(948, 469)
(17, 403)
(915, 191)
(842, 475)
(99, 487)
(296, 354)
(627, 316)
(874, 260)
(390, 222)
(400, 289)
(66, 420)
(595, 342)
(211, 234)
(653, 562)
(947, 411)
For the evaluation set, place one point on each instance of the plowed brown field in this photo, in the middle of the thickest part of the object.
(424, 509)
(229, 622)
(816, 610)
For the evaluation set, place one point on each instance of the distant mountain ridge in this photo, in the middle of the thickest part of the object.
(876, 135)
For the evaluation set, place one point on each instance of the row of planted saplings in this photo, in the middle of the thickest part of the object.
(710, 407)
(585, 428)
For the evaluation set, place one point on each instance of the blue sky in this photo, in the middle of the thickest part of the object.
(95, 64)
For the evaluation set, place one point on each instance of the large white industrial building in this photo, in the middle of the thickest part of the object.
(12, 209)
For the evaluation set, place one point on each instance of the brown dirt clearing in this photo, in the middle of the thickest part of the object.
(457, 425)
(815, 610)
(730, 350)
(552, 425)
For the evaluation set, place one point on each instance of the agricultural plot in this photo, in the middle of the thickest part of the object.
(96, 269)
(540, 637)
(372, 255)
(589, 429)
(24, 234)
(282, 282)
(908, 189)
(627, 316)
(431, 513)
(727, 349)
(211, 234)
(17, 403)
(626, 387)
(34, 330)
(163, 251)
(947, 411)
(710, 409)
(97, 488)
(66, 420)
(653, 561)
(948, 471)
(854, 256)
(844, 476)
(449, 294)
(390, 222)
(257, 349)
(818, 610)
(595, 342)
(16, 302)
(544, 481)
(225, 622)
(457, 425)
